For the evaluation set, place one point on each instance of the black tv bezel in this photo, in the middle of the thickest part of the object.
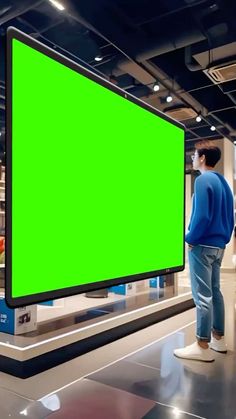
(14, 302)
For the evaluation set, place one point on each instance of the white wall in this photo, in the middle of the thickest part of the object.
(229, 170)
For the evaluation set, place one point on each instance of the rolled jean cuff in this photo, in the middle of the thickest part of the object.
(203, 339)
(218, 332)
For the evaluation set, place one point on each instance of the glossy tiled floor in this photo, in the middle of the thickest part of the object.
(187, 386)
(149, 383)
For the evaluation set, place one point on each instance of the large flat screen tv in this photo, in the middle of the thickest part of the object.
(95, 180)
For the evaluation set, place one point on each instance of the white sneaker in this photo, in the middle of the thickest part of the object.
(195, 352)
(218, 345)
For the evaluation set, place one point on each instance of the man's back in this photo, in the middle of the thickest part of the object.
(212, 217)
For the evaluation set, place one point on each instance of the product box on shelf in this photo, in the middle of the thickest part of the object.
(157, 282)
(54, 303)
(19, 320)
(124, 289)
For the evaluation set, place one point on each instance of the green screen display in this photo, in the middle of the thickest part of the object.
(97, 181)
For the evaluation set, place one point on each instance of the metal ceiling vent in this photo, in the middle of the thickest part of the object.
(181, 113)
(222, 73)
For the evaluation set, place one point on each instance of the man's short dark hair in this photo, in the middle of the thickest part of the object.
(210, 151)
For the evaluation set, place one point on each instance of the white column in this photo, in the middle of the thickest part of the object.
(226, 168)
(228, 279)
(228, 288)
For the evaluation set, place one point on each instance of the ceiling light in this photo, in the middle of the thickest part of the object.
(156, 87)
(198, 118)
(58, 5)
(169, 98)
(213, 128)
(98, 58)
(235, 142)
(0, 134)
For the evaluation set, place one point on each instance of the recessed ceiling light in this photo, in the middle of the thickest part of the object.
(213, 128)
(58, 5)
(156, 87)
(169, 98)
(98, 58)
(198, 118)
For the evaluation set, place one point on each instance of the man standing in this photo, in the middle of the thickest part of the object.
(210, 229)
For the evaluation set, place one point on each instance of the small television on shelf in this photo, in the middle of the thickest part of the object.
(95, 180)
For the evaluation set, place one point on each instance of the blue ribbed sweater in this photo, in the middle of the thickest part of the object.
(212, 218)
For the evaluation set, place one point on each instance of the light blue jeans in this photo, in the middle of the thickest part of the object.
(204, 266)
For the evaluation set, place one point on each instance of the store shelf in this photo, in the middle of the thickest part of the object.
(19, 354)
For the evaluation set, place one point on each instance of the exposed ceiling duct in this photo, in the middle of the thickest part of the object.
(190, 63)
(219, 64)
(215, 56)
(103, 18)
(161, 47)
(136, 54)
(169, 43)
(135, 70)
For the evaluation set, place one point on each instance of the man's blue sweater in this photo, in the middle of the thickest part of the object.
(212, 218)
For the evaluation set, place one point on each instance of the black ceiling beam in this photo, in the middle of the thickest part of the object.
(222, 109)
(13, 8)
(171, 12)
